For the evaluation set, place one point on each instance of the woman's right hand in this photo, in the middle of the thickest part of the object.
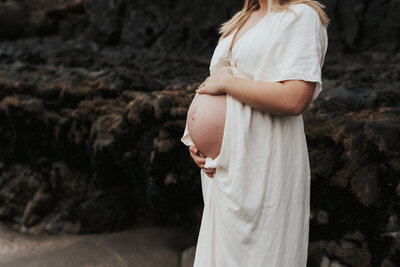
(200, 161)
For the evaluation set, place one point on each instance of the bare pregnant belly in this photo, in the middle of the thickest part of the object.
(206, 122)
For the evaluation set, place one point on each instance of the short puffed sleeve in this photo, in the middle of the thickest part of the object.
(300, 48)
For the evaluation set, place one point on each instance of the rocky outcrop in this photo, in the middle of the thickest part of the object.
(93, 101)
(180, 27)
(352, 131)
(99, 153)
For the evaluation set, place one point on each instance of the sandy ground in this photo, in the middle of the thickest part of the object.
(141, 246)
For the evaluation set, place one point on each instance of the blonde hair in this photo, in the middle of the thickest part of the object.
(277, 5)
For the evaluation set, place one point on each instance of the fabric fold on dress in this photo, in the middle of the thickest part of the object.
(256, 208)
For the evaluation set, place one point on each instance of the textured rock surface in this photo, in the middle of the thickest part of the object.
(352, 132)
(93, 100)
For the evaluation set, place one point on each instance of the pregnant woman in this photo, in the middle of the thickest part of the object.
(245, 131)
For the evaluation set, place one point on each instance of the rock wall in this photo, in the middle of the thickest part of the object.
(93, 101)
(178, 26)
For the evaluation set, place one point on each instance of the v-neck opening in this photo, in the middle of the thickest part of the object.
(237, 29)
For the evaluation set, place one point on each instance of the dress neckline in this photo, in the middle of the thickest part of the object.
(249, 30)
(230, 57)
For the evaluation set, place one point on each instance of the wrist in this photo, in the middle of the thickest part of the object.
(226, 83)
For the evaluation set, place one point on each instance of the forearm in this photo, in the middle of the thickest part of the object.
(272, 97)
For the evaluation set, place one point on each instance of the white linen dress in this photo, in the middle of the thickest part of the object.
(257, 206)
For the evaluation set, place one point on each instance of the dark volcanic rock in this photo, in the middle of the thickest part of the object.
(352, 132)
(154, 26)
(185, 26)
(105, 22)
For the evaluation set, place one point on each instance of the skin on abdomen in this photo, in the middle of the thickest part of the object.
(206, 122)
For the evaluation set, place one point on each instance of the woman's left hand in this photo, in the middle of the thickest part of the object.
(215, 84)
